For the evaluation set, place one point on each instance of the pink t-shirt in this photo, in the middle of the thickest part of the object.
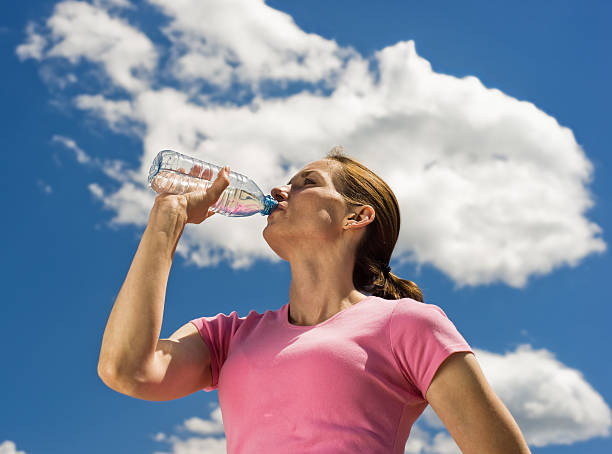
(353, 383)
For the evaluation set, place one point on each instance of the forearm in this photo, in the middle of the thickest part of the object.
(134, 325)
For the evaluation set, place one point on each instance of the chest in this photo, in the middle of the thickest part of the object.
(313, 362)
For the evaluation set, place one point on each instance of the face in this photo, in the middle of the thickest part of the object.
(311, 212)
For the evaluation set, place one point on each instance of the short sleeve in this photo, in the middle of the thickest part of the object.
(422, 337)
(217, 332)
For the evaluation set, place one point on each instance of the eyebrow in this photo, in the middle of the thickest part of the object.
(307, 172)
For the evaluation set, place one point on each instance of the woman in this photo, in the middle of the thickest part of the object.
(347, 365)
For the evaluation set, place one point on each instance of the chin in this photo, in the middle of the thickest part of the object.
(274, 245)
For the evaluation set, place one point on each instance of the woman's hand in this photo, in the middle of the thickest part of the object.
(191, 207)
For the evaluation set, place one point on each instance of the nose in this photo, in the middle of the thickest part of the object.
(279, 193)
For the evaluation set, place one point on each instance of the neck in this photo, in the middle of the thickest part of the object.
(320, 290)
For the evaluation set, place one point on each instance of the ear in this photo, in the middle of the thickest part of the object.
(358, 217)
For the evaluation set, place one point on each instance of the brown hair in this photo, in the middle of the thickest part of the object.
(358, 185)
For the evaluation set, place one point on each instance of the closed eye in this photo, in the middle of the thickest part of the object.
(306, 180)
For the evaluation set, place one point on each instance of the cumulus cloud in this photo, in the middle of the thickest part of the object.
(551, 402)
(9, 447)
(422, 441)
(491, 188)
(81, 31)
(196, 445)
(34, 45)
(130, 204)
(118, 114)
(211, 443)
(246, 41)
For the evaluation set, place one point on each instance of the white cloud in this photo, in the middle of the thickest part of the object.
(118, 114)
(442, 443)
(422, 441)
(197, 445)
(53, 78)
(81, 156)
(79, 30)
(9, 447)
(114, 169)
(491, 189)
(96, 190)
(34, 45)
(130, 203)
(245, 40)
(551, 402)
(213, 426)
(418, 440)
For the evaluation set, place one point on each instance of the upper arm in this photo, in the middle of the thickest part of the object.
(475, 417)
(181, 366)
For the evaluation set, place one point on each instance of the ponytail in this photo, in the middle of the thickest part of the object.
(391, 287)
(378, 281)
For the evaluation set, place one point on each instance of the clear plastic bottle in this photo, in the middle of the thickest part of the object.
(175, 173)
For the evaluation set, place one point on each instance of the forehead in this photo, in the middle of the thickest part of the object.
(324, 168)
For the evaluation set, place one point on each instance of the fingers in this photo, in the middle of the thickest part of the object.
(196, 171)
(199, 202)
(219, 185)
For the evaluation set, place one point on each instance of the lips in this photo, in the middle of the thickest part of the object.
(280, 207)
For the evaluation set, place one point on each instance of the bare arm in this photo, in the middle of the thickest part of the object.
(134, 324)
(128, 354)
(475, 417)
(181, 366)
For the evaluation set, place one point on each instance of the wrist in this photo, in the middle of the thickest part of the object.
(166, 227)
(161, 242)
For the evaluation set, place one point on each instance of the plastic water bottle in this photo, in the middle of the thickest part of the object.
(175, 173)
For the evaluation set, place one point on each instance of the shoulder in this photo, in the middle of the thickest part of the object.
(419, 321)
(407, 309)
(403, 311)
(223, 320)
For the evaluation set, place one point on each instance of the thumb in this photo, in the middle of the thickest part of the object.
(221, 182)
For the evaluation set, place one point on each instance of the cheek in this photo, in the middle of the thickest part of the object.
(314, 215)
(325, 218)
(326, 215)
(322, 224)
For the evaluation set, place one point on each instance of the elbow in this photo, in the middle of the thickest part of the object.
(111, 378)
(106, 371)
(108, 375)
(121, 383)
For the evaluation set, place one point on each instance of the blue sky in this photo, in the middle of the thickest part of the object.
(490, 121)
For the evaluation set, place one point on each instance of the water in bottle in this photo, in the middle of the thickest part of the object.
(175, 173)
